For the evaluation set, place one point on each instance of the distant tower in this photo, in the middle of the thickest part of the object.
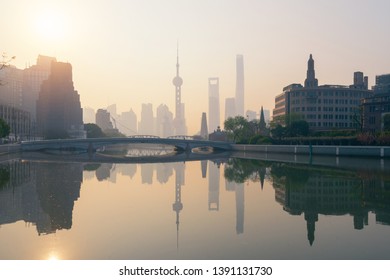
(240, 85)
(179, 122)
(204, 133)
(311, 80)
(230, 108)
(214, 120)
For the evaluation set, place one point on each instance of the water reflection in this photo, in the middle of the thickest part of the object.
(42, 194)
(314, 190)
(220, 201)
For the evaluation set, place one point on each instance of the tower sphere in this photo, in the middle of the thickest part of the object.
(177, 81)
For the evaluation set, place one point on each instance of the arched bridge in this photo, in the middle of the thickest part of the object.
(93, 144)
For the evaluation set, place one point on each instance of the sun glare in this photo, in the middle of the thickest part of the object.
(51, 26)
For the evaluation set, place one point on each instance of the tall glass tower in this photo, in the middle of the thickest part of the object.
(240, 85)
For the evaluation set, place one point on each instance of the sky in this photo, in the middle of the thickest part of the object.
(124, 51)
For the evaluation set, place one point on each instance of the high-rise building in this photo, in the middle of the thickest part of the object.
(103, 120)
(376, 108)
(11, 79)
(251, 115)
(214, 114)
(204, 132)
(33, 78)
(146, 124)
(59, 113)
(89, 115)
(164, 121)
(324, 107)
(179, 121)
(240, 86)
(230, 108)
(129, 123)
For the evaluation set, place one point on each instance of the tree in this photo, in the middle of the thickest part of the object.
(4, 128)
(239, 129)
(93, 131)
(5, 62)
(298, 128)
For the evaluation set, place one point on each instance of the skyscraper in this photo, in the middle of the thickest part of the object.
(240, 85)
(164, 121)
(146, 125)
(230, 108)
(59, 113)
(179, 121)
(214, 119)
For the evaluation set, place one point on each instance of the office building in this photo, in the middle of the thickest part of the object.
(59, 113)
(230, 108)
(214, 113)
(324, 107)
(240, 105)
(376, 108)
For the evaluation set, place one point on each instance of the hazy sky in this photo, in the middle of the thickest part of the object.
(124, 51)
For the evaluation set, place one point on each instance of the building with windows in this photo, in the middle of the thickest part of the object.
(324, 107)
(377, 107)
(59, 112)
(214, 112)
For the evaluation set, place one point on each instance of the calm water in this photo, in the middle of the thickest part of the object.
(218, 208)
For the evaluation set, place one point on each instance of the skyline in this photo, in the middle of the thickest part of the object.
(129, 58)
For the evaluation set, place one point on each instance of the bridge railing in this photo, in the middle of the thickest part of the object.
(143, 136)
(181, 137)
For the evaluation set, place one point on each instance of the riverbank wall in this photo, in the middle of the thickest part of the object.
(337, 151)
(10, 149)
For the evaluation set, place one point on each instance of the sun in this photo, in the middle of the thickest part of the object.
(51, 25)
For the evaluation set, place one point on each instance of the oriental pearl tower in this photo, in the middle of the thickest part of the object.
(179, 122)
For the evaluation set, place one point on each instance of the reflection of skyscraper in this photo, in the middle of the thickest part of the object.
(164, 171)
(240, 85)
(57, 199)
(240, 208)
(214, 186)
(214, 117)
(147, 173)
(179, 122)
(203, 167)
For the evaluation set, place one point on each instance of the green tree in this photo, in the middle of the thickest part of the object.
(93, 131)
(298, 128)
(239, 129)
(4, 128)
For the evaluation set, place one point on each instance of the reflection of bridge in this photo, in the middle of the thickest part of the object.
(92, 144)
(98, 158)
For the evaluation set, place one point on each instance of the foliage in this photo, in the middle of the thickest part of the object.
(290, 125)
(298, 128)
(238, 129)
(260, 140)
(4, 128)
(93, 131)
(240, 170)
(366, 138)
